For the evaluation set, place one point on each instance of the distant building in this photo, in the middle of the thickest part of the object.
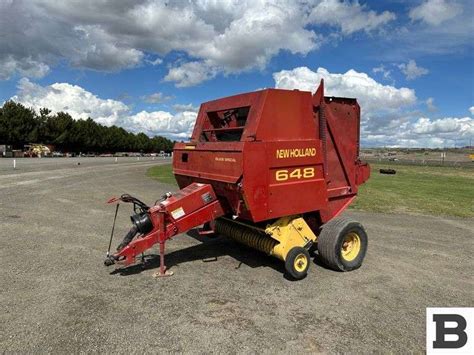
(6, 151)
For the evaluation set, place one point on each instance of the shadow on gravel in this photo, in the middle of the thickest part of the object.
(210, 249)
(317, 261)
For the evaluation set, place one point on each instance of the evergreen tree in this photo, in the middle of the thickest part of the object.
(20, 125)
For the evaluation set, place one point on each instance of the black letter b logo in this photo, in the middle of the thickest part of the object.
(442, 331)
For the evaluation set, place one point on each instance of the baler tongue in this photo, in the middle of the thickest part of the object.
(175, 213)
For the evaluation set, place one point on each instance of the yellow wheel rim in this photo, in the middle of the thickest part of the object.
(300, 262)
(350, 246)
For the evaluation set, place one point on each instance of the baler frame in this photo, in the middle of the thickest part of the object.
(275, 187)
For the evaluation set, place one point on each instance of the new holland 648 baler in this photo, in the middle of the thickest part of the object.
(272, 169)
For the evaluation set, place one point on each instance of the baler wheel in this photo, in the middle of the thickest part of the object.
(342, 244)
(297, 263)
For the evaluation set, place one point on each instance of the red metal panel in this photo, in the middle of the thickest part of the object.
(220, 166)
(216, 161)
(296, 197)
(205, 214)
(343, 121)
(286, 115)
(295, 177)
(255, 182)
(253, 100)
(264, 163)
(188, 200)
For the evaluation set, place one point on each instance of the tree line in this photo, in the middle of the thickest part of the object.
(20, 125)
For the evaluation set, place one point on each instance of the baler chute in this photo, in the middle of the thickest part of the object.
(272, 169)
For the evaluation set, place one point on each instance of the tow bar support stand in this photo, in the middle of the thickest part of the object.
(163, 271)
(162, 237)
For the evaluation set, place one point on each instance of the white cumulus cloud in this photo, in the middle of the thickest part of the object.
(188, 107)
(371, 95)
(461, 127)
(178, 126)
(191, 73)
(156, 98)
(412, 70)
(471, 110)
(100, 50)
(214, 36)
(73, 99)
(82, 104)
(435, 12)
(430, 104)
(350, 17)
(428, 132)
(386, 73)
(26, 67)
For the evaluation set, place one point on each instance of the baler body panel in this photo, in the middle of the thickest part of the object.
(270, 191)
(219, 161)
(274, 153)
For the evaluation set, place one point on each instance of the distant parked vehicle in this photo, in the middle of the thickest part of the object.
(37, 150)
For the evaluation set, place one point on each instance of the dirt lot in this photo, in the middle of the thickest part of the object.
(56, 295)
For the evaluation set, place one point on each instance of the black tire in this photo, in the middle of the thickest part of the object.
(337, 244)
(297, 263)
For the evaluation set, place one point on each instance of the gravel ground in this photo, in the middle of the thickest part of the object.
(57, 296)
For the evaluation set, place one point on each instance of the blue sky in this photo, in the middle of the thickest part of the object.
(147, 65)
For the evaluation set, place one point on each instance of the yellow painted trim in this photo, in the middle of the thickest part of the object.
(190, 147)
(290, 232)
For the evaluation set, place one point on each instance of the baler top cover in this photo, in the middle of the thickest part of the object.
(264, 115)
